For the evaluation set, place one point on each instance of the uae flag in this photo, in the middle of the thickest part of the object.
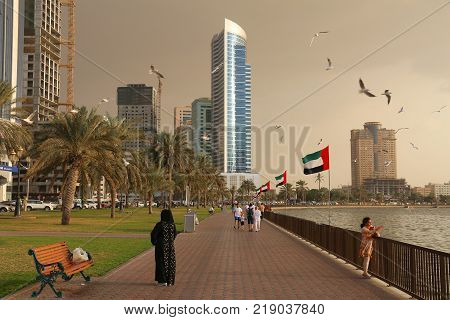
(265, 188)
(281, 179)
(316, 162)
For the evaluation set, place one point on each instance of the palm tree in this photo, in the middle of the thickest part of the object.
(247, 187)
(233, 194)
(154, 181)
(73, 141)
(319, 179)
(301, 188)
(172, 152)
(13, 137)
(287, 192)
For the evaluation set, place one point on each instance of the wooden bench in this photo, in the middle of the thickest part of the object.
(54, 260)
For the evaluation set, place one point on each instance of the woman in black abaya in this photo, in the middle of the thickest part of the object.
(163, 237)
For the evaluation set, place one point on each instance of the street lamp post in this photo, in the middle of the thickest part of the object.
(15, 159)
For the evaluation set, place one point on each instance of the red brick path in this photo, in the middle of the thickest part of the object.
(218, 262)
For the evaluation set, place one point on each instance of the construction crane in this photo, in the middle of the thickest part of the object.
(70, 43)
(159, 76)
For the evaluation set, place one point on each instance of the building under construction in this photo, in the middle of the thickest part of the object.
(43, 63)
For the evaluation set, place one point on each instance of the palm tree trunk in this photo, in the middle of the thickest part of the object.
(99, 198)
(69, 194)
(126, 200)
(170, 189)
(150, 202)
(113, 201)
(198, 199)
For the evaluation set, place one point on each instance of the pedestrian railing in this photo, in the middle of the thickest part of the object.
(421, 272)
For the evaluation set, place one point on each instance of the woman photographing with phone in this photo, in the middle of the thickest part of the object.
(368, 234)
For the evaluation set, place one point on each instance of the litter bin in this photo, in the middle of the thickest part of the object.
(189, 221)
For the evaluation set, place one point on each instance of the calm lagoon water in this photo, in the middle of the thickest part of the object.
(426, 227)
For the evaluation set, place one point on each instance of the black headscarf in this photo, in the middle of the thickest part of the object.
(166, 216)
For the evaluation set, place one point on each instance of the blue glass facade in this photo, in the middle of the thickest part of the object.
(231, 100)
(238, 105)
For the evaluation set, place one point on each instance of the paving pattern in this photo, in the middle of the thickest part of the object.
(218, 262)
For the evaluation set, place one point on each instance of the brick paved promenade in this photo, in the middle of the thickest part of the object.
(217, 262)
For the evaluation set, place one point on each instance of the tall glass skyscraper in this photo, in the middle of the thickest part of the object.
(231, 100)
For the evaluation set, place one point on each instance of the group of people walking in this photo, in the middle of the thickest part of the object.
(164, 234)
(251, 213)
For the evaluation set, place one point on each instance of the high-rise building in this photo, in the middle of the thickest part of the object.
(41, 57)
(136, 105)
(11, 43)
(182, 116)
(231, 100)
(202, 126)
(373, 152)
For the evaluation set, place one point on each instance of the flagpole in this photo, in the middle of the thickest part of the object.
(329, 196)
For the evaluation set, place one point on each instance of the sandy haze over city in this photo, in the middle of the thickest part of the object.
(118, 40)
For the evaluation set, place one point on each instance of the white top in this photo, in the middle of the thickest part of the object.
(237, 212)
(257, 213)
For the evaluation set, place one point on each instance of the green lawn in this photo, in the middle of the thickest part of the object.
(133, 220)
(17, 267)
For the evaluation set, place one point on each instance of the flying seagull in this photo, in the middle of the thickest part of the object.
(217, 68)
(414, 146)
(401, 129)
(356, 160)
(401, 110)
(438, 111)
(316, 35)
(154, 71)
(104, 100)
(28, 120)
(320, 142)
(205, 137)
(277, 127)
(125, 162)
(387, 163)
(388, 94)
(330, 67)
(364, 89)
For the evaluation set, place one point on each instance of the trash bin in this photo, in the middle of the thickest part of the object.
(189, 221)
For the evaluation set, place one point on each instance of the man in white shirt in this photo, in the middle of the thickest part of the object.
(237, 216)
(257, 219)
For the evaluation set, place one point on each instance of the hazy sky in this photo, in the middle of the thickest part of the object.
(118, 40)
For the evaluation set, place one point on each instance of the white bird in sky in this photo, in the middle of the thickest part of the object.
(401, 110)
(205, 137)
(387, 163)
(154, 71)
(28, 120)
(125, 162)
(401, 129)
(388, 94)
(277, 127)
(414, 146)
(438, 111)
(356, 160)
(320, 142)
(104, 100)
(316, 35)
(364, 89)
(217, 68)
(330, 67)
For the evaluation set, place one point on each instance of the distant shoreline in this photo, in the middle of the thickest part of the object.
(356, 206)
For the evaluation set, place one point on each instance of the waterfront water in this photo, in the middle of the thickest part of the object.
(426, 227)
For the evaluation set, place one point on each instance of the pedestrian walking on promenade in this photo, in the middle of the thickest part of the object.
(368, 234)
(237, 211)
(250, 216)
(257, 219)
(262, 208)
(243, 214)
(163, 238)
